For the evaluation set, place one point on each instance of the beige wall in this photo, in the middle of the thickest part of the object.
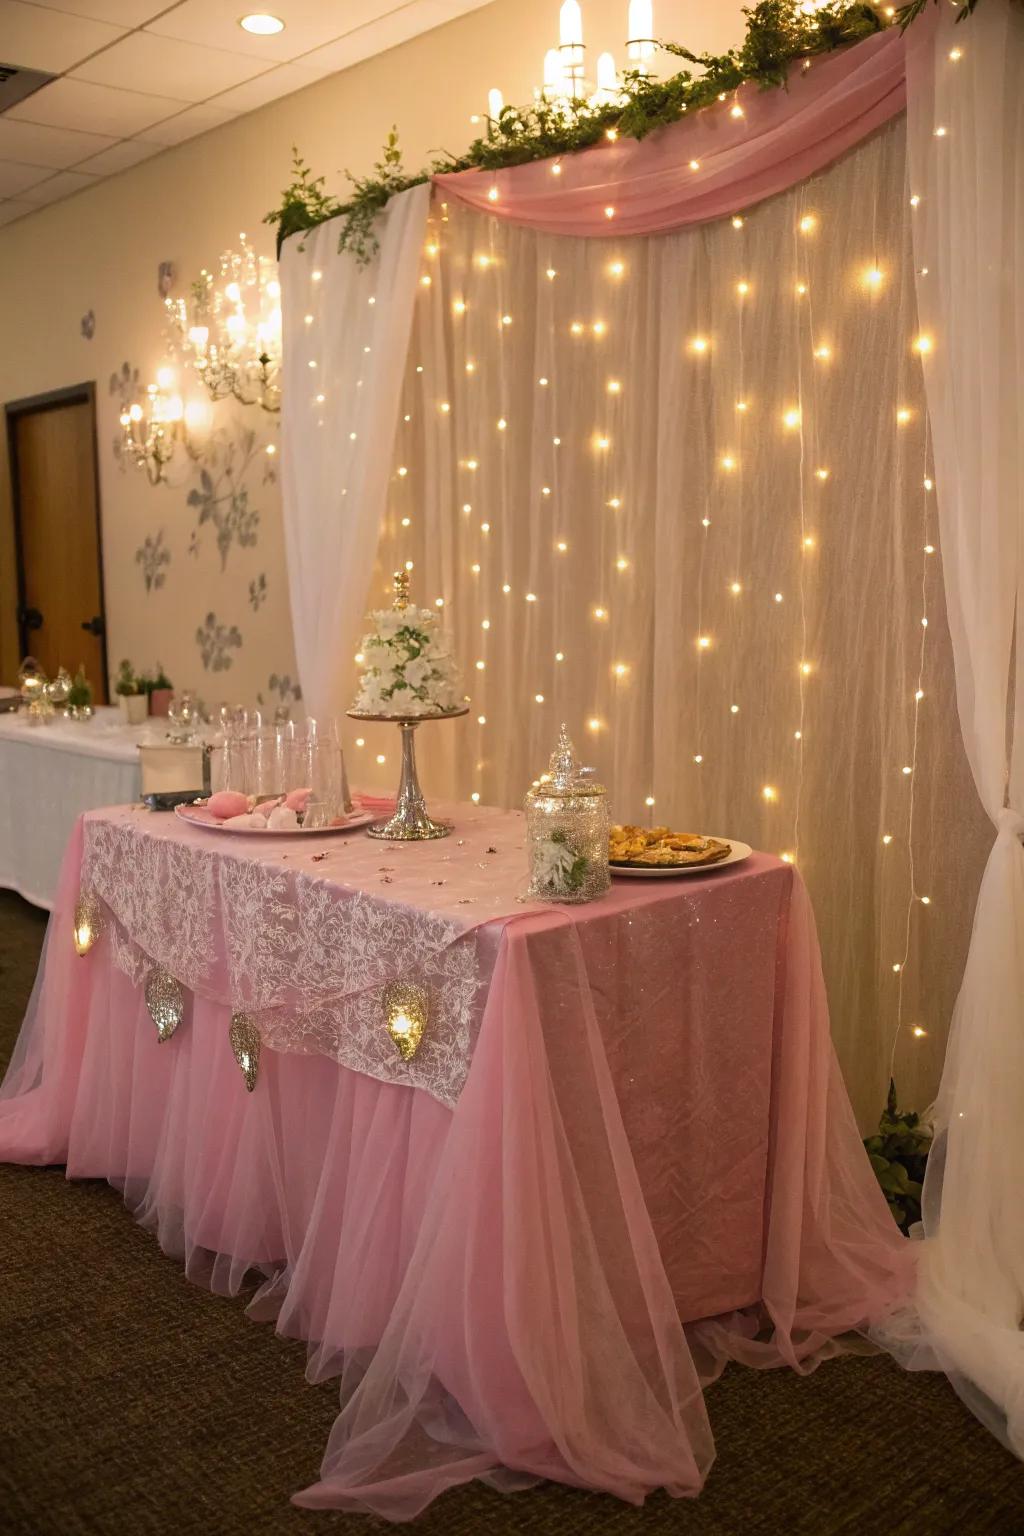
(100, 251)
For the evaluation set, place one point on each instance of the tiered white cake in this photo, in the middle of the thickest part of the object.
(410, 667)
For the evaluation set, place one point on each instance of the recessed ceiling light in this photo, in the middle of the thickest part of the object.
(261, 24)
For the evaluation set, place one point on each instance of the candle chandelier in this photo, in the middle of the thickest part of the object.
(229, 329)
(152, 428)
(565, 75)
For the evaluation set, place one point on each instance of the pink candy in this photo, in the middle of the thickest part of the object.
(227, 802)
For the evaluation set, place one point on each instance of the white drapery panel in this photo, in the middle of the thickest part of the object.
(346, 335)
(599, 443)
(966, 149)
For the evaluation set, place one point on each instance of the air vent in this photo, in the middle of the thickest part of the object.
(16, 84)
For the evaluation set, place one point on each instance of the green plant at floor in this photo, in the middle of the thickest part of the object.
(126, 684)
(80, 693)
(899, 1154)
(778, 34)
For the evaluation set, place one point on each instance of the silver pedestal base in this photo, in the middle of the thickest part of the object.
(410, 823)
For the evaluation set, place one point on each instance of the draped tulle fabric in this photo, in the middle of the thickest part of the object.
(966, 148)
(716, 164)
(653, 1135)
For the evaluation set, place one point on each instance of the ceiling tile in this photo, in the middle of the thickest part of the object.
(123, 13)
(61, 185)
(36, 38)
(120, 157)
(187, 124)
(53, 147)
(367, 34)
(96, 108)
(181, 69)
(268, 87)
(15, 178)
(308, 23)
(14, 210)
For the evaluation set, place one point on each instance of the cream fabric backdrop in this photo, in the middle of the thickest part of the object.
(636, 457)
(585, 532)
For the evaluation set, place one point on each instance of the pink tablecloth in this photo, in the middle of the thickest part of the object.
(652, 1168)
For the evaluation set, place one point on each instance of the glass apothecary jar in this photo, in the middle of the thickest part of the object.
(567, 825)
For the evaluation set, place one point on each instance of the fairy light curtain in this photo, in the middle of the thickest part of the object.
(678, 491)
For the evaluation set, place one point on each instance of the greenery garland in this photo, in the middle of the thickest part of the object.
(778, 34)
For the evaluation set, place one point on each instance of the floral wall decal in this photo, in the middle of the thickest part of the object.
(286, 691)
(216, 642)
(258, 592)
(88, 324)
(154, 558)
(221, 497)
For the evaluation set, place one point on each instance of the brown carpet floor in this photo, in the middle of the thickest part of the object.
(133, 1403)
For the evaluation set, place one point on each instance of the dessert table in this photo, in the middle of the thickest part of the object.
(51, 773)
(621, 1156)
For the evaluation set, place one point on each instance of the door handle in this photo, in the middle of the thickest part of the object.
(31, 618)
(94, 626)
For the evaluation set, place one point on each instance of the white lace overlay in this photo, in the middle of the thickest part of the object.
(306, 958)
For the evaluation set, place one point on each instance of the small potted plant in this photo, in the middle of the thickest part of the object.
(79, 705)
(161, 691)
(131, 695)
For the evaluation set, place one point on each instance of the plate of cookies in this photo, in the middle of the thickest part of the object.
(658, 851)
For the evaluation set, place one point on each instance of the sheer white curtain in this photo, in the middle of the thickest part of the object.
(346, 337)
(590, 463)
(966, 145)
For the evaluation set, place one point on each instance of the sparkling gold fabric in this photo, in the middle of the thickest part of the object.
(165, 999)
(246, 1044)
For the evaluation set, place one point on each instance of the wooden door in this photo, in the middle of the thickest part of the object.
(57, 528)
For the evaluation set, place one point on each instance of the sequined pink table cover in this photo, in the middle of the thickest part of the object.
(651, 1168)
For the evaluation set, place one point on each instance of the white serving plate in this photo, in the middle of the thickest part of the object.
(739, 852)
(199, 816)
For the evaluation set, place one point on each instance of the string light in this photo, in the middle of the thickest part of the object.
(823, 353)
(808, 224)
(903, 415)
(887, 838)
(700, 345)
(926, 901)
(593, 725)
(360, 741)
(620, 669)
(602, 443)
(918, 1032)
(599, 327)
(506, 319)
(703, 642)
(649, 801)
(576, 328)
(492, 195)
(614, 387)
(940, 132)
(788, 858)
(743, 288)
(459, 306)
(551, 274)
(559, 655)
(956, 54)
(609, 212)
(531, 597)
(769, 793)
(381, 759)
(791, 418)
(736, 111)
(923, 345)
(872, 277)
(778, 597)
(694, 165)
(907, 770)
(698, 757)
(481, 719)
(735, 588)
(915, 201)
(737, 222)
(475, 797)
(728, 462)
(801, 289)
(600, 613)
(741, 405)
(822, 474)
(538, 698)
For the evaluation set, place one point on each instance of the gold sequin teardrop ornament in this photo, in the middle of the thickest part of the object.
(406, 1014)
(88, 922)
(165, 999)
(245, 1043)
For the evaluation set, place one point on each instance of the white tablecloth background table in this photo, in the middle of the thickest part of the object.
(51, 773)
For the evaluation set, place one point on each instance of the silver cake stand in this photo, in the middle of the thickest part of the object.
(410, 823)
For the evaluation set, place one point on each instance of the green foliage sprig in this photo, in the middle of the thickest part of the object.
(899, 1153)
(777, 35)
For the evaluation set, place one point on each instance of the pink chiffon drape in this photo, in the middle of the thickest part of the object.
(652, 1168)
(722, 160)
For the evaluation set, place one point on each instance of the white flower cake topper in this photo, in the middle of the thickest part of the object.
(410, 668)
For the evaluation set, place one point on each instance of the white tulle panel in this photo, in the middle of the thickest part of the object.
(677, 492)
